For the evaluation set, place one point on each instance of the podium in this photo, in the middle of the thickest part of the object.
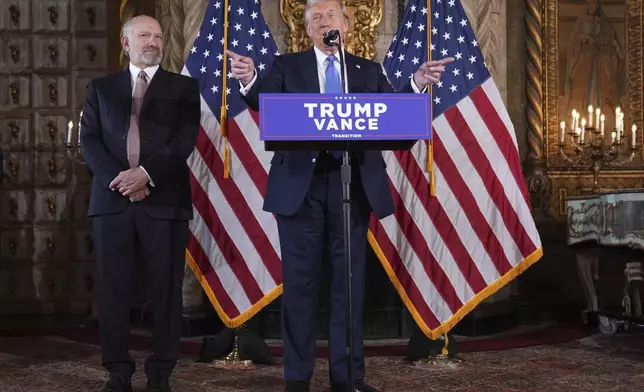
(344, 122)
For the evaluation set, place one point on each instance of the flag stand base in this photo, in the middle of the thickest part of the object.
(233, 359)
(441, 359)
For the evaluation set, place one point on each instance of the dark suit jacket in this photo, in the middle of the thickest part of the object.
(168, 126)
(291, 172)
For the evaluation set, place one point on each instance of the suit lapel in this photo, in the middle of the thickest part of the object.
(125, 89)
(354, 75)
(155, 87)
(309, 72)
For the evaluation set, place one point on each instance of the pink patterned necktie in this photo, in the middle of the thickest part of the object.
(133, 138)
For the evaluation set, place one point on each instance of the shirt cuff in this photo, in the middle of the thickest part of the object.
(146, 173)
(415, 88)
(244, 90)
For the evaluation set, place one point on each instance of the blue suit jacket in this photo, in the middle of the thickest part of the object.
(291, 171)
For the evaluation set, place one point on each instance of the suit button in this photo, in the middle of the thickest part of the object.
(313, 160)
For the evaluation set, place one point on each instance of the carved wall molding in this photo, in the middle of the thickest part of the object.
(534, 78)
(634, 45)
(170, 15)
(487, 18)
(365, 15)
(194, 10)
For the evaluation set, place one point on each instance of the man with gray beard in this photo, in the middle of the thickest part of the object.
(137, 130)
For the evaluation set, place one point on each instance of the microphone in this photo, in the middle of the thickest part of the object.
(332, 38)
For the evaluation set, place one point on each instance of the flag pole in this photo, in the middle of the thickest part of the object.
(430, 143)
(223, 117)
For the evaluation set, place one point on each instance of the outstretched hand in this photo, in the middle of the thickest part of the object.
(430, 72)
(242, 67)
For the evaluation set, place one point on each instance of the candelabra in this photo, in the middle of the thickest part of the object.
(590, 147)
(73, 150)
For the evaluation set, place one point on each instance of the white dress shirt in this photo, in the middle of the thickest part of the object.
(322, 62)
(150, 71)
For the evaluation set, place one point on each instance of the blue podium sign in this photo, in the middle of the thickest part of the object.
(330, 117)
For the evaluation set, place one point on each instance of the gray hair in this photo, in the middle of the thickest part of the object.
(312, 3)
(127, 28)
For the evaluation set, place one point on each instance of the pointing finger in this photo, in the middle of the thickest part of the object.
(233, 55)
(446, 60)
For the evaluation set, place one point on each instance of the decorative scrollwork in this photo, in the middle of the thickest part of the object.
(365, 15)
(15, 15)
(52, 130)
(91, 16)
(14, 129)
(534, 78)
(13, 170)
(53, 93)
(91, 53)
(51, 168)
(14, 90)
(15, 53)
(53, 53)
(13, 246)
(53, 15)
(50, 245)
(51, 206)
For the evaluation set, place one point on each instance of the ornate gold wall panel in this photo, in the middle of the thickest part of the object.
(365, 15)
(611, 20)
(556, 31)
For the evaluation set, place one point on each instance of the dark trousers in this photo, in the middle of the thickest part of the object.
(162, 245)
(313, 236)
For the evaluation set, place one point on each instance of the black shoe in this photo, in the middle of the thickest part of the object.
(158, 385)
(117, 383)
(360, 386)
(297, 386)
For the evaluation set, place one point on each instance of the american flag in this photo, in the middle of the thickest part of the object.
(446, 254)
(233, 246)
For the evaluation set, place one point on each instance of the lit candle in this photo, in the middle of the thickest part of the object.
(613, 136)
(590, 115)
(583, 131)
(617, 112)
(597, 117)
(70, 125)
(562, 133)
(583, 123)
(601, 127)
(80, 118)
(633, 134)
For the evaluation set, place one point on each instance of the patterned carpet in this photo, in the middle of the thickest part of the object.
(596, 363)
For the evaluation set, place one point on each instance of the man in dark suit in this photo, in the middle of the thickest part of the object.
(305, 193)
(137, 131)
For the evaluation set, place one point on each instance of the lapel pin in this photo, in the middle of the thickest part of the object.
(358, 66)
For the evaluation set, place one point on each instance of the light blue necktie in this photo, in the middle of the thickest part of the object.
(333, 82)
(333, 85)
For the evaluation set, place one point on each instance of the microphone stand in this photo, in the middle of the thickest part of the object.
(345, 175)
